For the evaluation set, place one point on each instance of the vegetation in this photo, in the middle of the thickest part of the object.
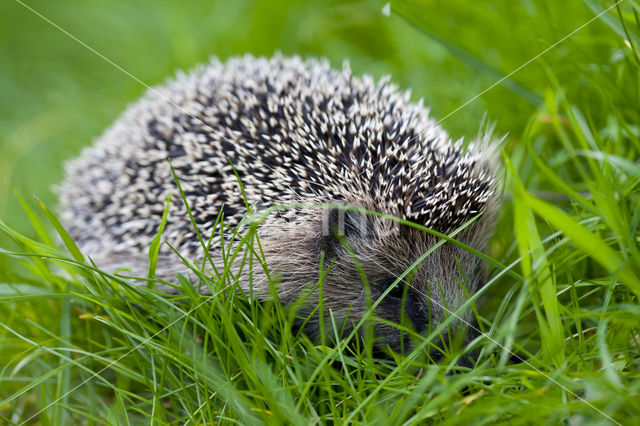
(560, 313)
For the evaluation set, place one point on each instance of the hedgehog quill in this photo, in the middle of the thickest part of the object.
(296, 131)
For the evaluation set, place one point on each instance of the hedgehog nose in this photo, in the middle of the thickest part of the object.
(416, 311)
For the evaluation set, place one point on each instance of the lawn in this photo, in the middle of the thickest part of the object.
(559, 314)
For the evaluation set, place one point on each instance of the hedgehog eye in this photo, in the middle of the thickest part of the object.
(397, 291)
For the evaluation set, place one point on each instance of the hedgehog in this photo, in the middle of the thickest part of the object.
(262, 132)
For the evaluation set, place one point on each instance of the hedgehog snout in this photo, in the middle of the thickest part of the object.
(416, 311)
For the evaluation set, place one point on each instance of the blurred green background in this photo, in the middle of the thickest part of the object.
(57, 96)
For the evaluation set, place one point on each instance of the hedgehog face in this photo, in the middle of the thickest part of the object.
(364, 255)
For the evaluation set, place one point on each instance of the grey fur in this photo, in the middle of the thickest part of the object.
(297, 131)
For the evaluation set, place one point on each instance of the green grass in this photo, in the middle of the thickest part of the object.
(94, 348)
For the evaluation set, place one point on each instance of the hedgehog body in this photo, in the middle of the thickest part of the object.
(295, 131)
